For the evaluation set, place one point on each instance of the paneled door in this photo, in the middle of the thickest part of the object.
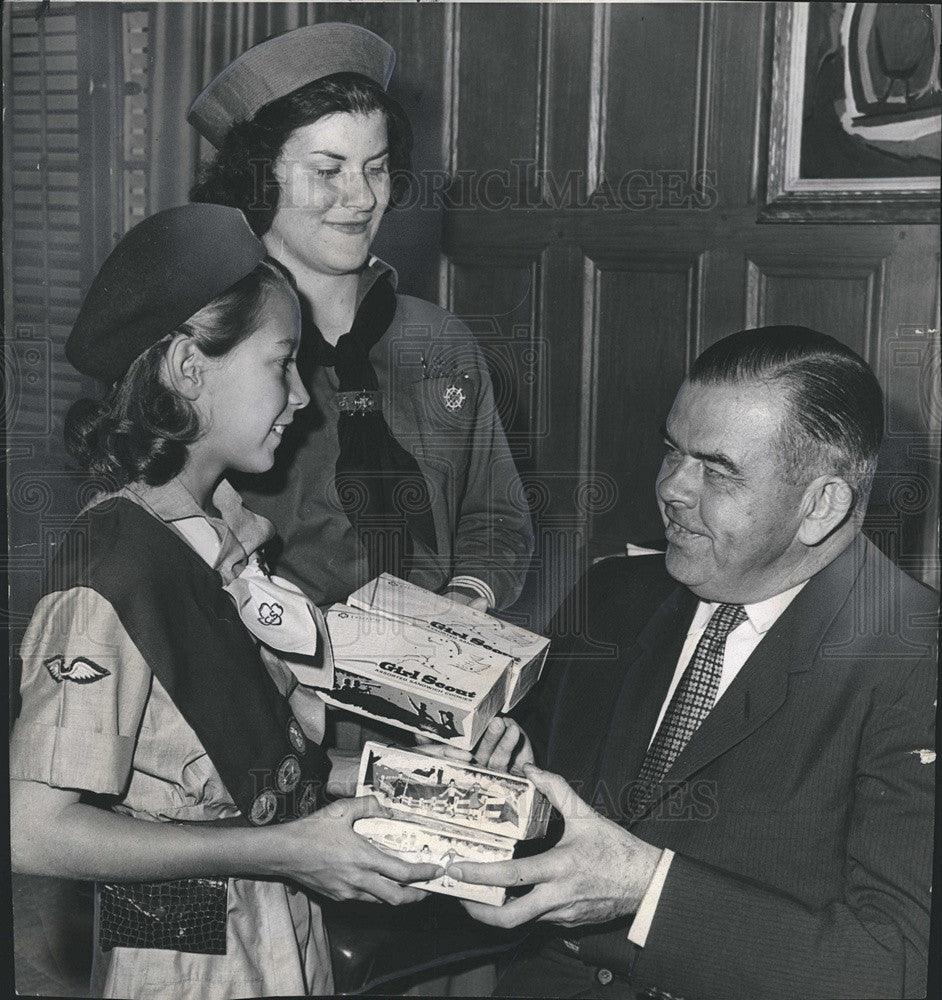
(604, 221)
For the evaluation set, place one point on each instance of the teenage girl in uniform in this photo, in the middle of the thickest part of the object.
(162, 749)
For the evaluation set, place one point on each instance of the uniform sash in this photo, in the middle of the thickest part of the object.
(173, 607)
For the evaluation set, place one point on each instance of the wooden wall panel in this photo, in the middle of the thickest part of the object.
(661, 88)
(643, 311)
(569, 97)
(841, 296)
(733, 96)
(498, 111)
(497, 299)
(651, 94)
(562, 330)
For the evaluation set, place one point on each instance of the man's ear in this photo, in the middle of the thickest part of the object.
(829, 501)
(184, 366)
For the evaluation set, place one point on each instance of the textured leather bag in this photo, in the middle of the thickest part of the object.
(186, 914)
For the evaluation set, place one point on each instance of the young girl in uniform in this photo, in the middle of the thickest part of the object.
(165, 748)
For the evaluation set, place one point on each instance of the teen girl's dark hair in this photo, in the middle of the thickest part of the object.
(241, 173)
(141, 429)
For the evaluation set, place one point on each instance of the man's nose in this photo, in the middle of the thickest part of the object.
(679, 481)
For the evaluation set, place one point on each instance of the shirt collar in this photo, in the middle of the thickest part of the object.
(240, 531)
(374, 270)
(761, 616)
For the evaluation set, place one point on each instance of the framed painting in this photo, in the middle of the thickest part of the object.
(855, 114)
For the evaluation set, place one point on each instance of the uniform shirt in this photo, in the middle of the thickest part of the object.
(740, 643)
(122, 735)
(438, 401)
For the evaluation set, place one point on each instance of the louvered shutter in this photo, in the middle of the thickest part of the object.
(44, 240)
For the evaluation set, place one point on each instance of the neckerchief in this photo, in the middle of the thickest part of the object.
(379, 483)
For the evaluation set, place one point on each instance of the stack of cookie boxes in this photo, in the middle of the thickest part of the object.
(413, 659)
(445, 812)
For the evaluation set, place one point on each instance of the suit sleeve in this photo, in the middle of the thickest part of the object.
(718, 934)
(493, 534)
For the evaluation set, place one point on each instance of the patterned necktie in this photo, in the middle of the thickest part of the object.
(691, 703)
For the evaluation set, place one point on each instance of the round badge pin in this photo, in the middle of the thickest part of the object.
(296, 736)
(289, 773)
(263, 808)
(307, 802)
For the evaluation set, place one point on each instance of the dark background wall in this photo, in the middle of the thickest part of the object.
(535, 124)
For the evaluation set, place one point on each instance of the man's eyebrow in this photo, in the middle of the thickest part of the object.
(720, 459)
(714, 458)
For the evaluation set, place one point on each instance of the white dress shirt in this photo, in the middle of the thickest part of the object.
(740, 643)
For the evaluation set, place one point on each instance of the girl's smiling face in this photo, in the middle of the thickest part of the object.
(249, 395)
(334, 188)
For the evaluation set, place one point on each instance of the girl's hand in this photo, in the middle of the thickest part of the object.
(323, 853)
(53, 832)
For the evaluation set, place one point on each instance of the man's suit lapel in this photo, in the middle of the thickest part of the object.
(761, 686)
(649, 668)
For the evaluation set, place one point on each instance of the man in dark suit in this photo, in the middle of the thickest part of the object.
(756, 743)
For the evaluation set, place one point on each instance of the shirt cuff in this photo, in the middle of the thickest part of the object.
(478, 586)
(67, 757)
(638, 931)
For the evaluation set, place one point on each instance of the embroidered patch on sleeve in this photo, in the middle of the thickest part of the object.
(81, 670)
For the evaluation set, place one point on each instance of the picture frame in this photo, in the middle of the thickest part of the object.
(815, 170)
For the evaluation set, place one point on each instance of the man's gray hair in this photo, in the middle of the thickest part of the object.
(834, 403)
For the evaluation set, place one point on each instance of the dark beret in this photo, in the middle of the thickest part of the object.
(162, 272)
(279, 66)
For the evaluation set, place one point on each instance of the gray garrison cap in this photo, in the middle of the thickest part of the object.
(275, 68)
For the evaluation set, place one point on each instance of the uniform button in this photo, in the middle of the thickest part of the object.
(604, 976)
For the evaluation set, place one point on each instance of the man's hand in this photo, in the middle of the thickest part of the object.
(324, 853)
(460, 597)
(596, 872)
(503, 744)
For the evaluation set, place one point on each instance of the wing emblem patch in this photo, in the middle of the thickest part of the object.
(81, 670)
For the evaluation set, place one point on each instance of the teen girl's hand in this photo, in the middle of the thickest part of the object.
(503, 746)
(344, 771)
(324, 853)
(459, 597)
